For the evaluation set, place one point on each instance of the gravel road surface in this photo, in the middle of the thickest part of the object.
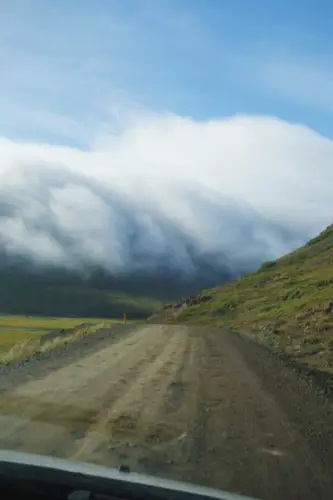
(189, 403)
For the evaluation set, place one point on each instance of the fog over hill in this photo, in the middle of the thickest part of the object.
(166, 196)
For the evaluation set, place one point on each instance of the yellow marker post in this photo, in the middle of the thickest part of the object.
(124, 319)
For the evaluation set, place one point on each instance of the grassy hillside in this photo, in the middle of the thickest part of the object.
(286, 303)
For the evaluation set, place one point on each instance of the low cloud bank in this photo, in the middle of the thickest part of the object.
(168, 191)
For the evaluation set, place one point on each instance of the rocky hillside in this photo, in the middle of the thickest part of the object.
(287, 303)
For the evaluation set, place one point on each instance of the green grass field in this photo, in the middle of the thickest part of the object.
(11, 336)
(25, 343)
(49, 323)
(22, 329)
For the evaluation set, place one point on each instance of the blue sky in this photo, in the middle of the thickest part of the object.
(69, 68)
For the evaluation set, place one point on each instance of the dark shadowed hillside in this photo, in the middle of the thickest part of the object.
(30, 288)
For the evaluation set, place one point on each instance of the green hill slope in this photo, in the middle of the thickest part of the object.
(287, 304)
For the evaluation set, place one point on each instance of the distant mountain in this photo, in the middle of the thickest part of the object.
(27, 287)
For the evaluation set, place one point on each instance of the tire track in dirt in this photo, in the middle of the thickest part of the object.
(136, 420)
(154, 427)
(68, 401)
(250, 443)
(190, 403)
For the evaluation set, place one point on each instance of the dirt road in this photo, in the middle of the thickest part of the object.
(195, 404)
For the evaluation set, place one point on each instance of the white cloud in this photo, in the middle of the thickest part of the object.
(242, 189)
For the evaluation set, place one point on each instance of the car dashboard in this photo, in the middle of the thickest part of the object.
(39, 477)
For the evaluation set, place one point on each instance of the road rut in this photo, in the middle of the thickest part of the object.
(188, 403)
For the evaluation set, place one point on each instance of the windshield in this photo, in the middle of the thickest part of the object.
(165, 271)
